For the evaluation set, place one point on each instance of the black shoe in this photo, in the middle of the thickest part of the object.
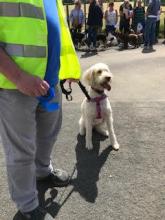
(58, 178)
(145, 49)
(151, 49)
(37, 214)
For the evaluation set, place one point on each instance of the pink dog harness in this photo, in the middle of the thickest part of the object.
(98, 99)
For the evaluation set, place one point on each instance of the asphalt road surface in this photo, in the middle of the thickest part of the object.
(109, 185)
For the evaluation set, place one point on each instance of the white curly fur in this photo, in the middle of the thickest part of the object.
(98, 77)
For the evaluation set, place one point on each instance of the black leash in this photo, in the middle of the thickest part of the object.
(67, 92)
(70, 179)
(83, 88)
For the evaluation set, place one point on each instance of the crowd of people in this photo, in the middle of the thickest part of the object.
(129, 17)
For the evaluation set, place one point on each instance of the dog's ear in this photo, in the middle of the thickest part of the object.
(87, 76)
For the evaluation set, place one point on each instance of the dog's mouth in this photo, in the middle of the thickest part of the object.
(106, 85)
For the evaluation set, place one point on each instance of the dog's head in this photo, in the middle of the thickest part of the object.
(98, 76)
(133, 39)
(112, 40)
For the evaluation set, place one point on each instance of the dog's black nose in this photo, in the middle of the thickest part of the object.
(108, 78)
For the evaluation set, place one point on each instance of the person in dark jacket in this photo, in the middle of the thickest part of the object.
(94, 22)
(125, 12)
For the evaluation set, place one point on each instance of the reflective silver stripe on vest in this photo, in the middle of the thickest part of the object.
(19, 50)
(9, 9)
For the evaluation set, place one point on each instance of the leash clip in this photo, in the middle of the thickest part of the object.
(69, 98)
(66, 92)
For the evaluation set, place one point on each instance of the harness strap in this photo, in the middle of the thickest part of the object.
(98, 106)
(97, 99)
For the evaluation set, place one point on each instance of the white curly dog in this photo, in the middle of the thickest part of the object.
(96, 111)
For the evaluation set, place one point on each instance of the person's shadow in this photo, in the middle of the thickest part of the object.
(48, 203)
(88, 166)
(89, 54)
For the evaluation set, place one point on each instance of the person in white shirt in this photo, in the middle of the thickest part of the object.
(111, 18)
(77, 17)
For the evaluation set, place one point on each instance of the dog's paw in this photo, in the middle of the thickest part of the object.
(116, 146)
(89, 146)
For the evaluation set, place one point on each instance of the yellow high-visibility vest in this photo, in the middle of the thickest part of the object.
(23, 35)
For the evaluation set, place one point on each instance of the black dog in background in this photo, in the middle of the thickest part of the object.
(81, 38)
(77, 37)
(129, 38)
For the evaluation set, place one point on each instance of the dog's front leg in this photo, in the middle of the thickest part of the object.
(100, 128)
(89, 144)
(113, 139)
(81, 126)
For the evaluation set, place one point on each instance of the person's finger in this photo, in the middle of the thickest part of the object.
(45, 85)
(42, 90)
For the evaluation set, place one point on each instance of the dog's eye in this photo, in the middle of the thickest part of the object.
(99, 72)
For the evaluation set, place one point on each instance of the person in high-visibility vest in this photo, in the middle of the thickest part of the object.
(35, 52)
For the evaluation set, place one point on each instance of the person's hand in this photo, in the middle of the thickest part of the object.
(31, 85)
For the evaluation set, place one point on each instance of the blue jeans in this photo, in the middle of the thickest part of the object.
(149, 34)
(124, 26)
(110, 28)
(92, 35)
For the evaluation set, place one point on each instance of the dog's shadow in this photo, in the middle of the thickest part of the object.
(89, 164)
(89, 54)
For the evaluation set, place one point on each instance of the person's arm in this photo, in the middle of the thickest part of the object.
(89, 18)
(149, 7)
(71, 17)
(82, 18)
(101, 13)
(121, 10)
(133, 13)
(105, 15)
(116, 16)
(25, 83)
(130, 11)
